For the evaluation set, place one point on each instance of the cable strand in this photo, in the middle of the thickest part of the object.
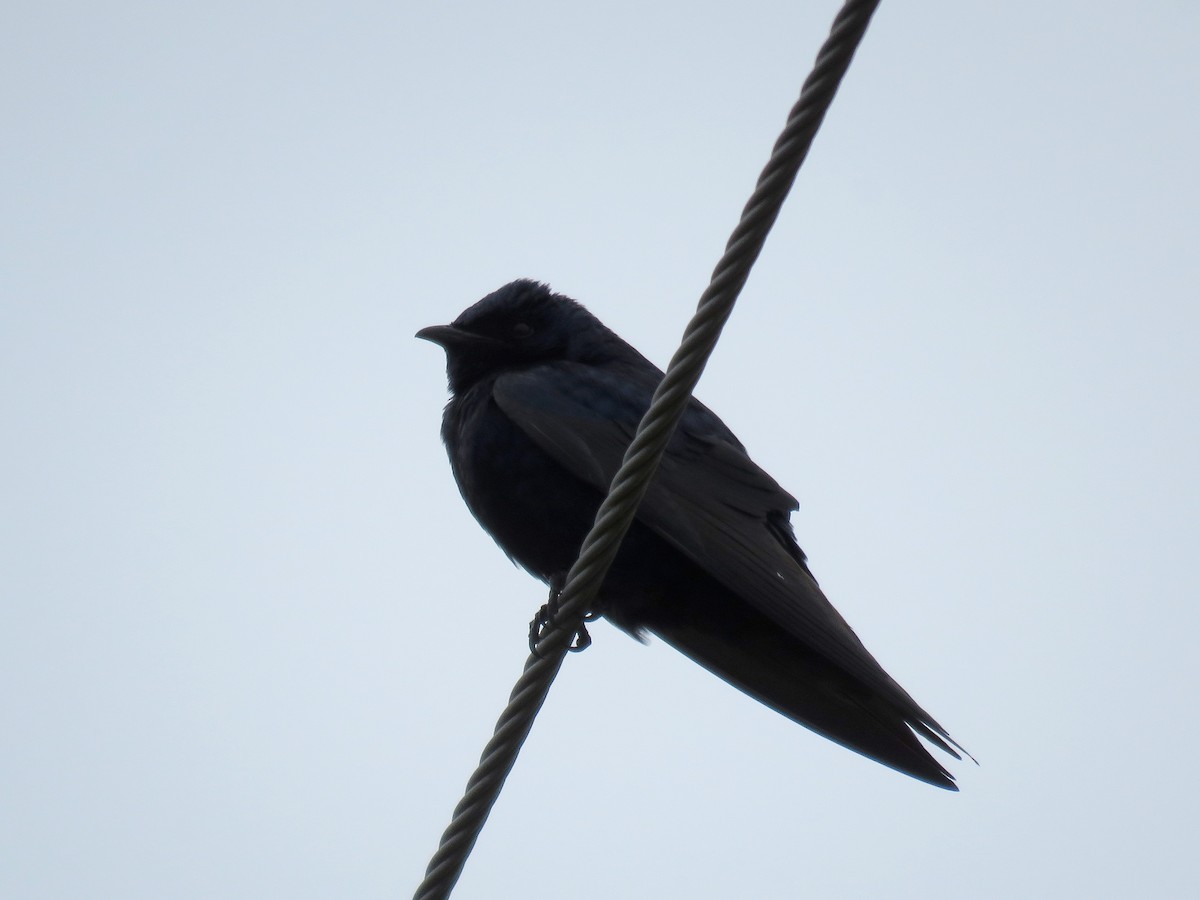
(641, 459)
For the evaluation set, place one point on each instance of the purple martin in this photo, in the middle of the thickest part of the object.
(544, 401)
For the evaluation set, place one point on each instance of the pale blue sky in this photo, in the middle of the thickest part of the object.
(251, 642)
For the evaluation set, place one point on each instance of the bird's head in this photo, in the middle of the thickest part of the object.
(522, 324)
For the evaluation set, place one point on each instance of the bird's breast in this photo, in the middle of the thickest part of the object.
(534, 508)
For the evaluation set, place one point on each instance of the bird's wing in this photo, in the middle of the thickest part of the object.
(708, 498)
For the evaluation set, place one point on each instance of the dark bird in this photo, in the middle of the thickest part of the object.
(544, 401)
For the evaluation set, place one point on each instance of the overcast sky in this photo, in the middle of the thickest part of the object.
(252, 642)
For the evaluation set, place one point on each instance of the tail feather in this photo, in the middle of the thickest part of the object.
(741, 646)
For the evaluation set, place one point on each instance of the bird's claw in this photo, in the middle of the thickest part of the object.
(537, 627)
(580, 641)
(547, 620)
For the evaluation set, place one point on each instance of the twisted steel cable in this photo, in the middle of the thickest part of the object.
(641, 459)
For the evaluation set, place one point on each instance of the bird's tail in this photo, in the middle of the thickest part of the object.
(736, 642)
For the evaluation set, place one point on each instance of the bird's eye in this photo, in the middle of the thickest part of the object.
(521, 331)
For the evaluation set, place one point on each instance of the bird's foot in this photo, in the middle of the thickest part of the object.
(546, 620)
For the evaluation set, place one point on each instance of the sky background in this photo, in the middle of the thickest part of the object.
(252, 642)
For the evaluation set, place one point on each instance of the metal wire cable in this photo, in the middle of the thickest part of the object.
(670, 400)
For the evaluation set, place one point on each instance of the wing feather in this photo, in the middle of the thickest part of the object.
(708, 499)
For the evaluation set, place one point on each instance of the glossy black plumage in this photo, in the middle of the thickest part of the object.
(545, 399)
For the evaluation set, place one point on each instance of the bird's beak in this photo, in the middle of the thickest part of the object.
(451, 337)
(445, 335)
